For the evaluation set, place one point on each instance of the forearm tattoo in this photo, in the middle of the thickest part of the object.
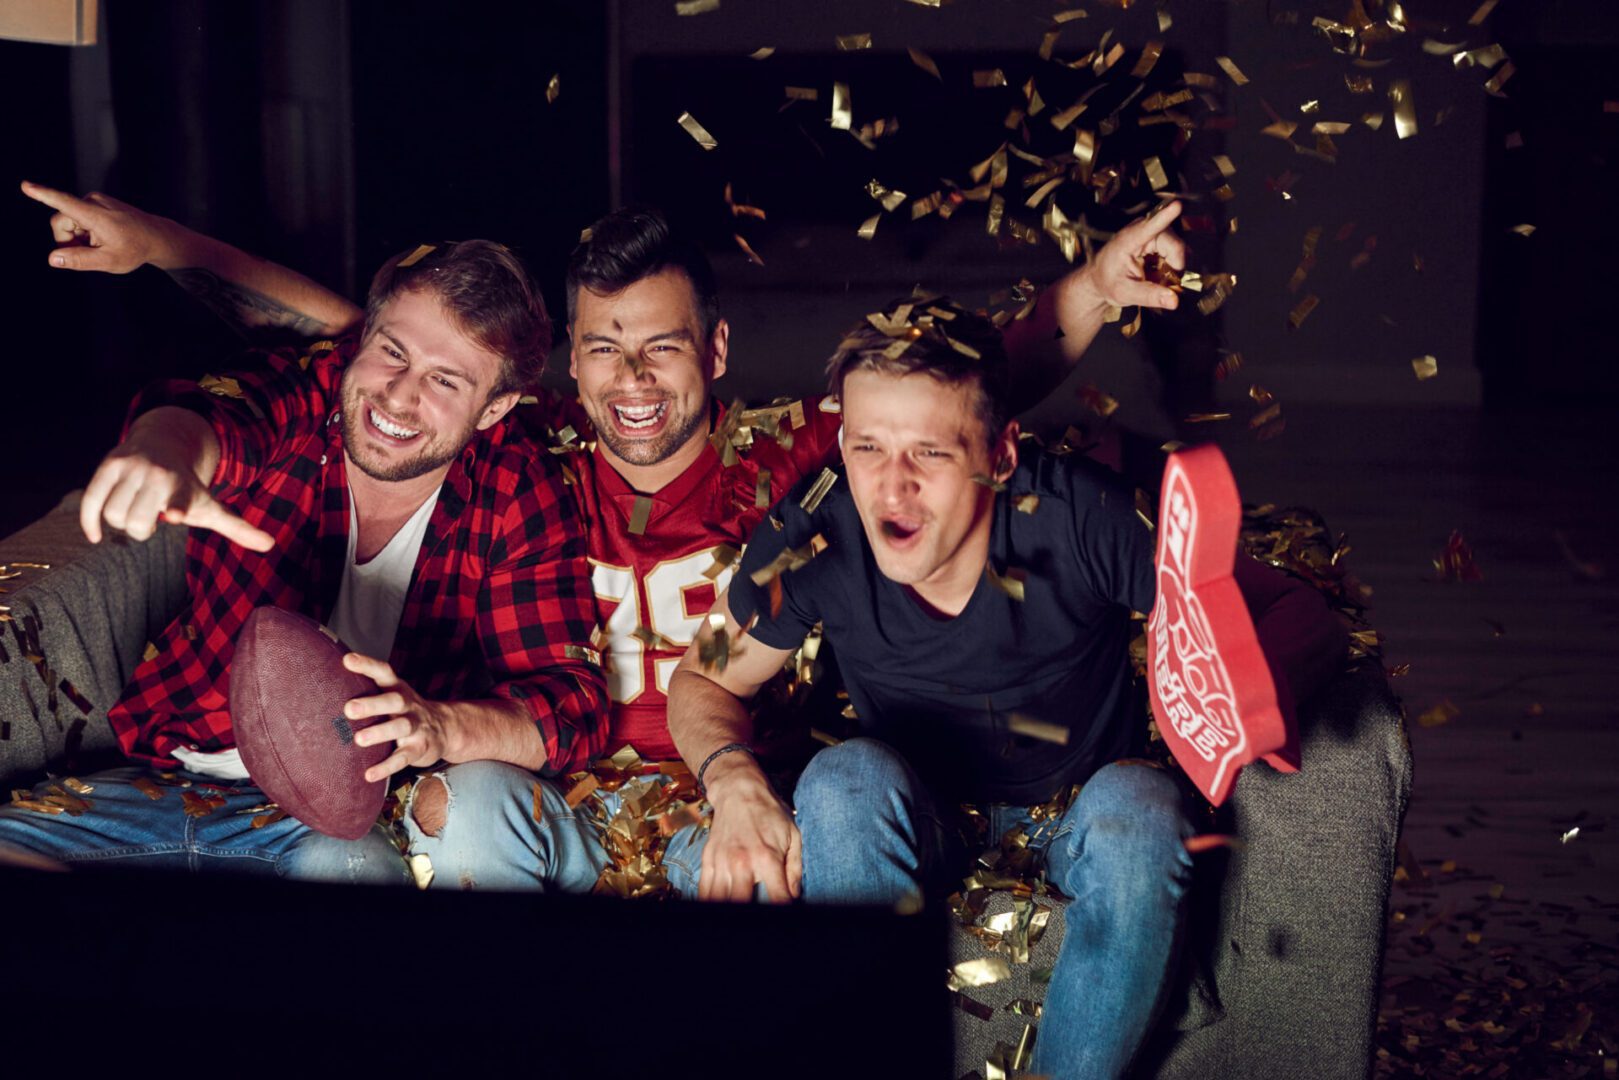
(248, 311)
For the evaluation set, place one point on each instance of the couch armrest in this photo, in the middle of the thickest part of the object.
(76, 633)
(1295, 946)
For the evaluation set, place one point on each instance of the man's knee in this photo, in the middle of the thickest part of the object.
(851, 771)
(430, 804)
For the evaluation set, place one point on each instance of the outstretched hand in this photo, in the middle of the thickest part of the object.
(1116, 274)
(98, 232)
(138, 483)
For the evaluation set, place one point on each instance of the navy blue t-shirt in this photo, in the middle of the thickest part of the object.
(942, 691)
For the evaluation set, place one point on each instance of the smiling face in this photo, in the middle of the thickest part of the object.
(417, 391)
(912, 444)
(644, 369)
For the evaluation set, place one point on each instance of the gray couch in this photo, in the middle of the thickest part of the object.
(1283, 951)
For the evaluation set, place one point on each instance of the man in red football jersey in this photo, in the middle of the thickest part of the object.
(670, 491)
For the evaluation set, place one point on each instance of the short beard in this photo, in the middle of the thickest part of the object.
(643, 452)
(429, 458)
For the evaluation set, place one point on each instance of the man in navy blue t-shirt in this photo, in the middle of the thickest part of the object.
(964, 579)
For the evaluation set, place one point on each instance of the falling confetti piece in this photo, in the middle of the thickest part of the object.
(697, 131)
(764, 53)
(853, 42)
(553, 89)
(925, 62)
(696, 7)
(1426, 367)
(1233, 72)
(842, 111)
(1405, 109)
(1571, 834)
(1522, 230)
(1440, 714)
(868, 228)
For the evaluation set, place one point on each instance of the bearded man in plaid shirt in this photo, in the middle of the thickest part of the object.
(374, 484)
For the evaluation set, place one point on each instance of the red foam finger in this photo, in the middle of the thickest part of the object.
(1211, 687)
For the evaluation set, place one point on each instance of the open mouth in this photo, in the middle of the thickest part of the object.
(390, 431)
(900, 530)
(640, 417)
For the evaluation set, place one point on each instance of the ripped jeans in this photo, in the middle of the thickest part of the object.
(149, 826)
(491, 839)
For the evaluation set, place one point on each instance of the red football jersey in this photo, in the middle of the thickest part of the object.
(659, 561)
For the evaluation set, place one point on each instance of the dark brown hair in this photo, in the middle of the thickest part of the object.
(632, 244)
(947, 342)
(489, 295)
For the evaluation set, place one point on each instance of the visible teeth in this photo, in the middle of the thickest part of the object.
(639, 416)
(390, 428)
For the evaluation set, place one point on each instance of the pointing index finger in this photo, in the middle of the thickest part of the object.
(61, 200)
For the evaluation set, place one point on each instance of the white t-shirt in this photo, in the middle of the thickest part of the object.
(366, 617)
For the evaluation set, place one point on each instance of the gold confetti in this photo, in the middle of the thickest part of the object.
(983, 80)
(980, 972)
(416, 256)
(1483, 12)
(1069, 16)
(1027, 504)
(579, 652)
(1233, 72)
(269, 817)
(581, 790)
(818, 491)
(77, 786)
(697, 131)
(640, 514)
(1013, 583)
(147, 787)
(1499, 79)
(1571, 834)
(553, 89)
(1442, 713)
(198, 805)
(842, 110)
(764, 53)
(747, 249)
(1155, 173)
(1301, 311)
(888, 197)
(853, 42)
(1149, 59)
(223, 386)
(725, 557)
(802, 93)
(1522, 230)
(696, 7)
(1426, 367)
(925, 62)
(1044, 730)
(868, 228)
(1207, 417)
(1405, 109)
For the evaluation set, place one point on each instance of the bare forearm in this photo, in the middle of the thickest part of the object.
(250, 293)
(492, 729)
(704, 716)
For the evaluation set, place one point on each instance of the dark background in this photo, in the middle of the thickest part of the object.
(330, 134)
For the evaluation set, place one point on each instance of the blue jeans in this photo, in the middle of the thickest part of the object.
(1118, 853)
(125, 825)
(490, 838)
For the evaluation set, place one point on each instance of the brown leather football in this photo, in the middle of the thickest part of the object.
(288, 686)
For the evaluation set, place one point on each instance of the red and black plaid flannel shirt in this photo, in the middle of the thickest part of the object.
(500, 602)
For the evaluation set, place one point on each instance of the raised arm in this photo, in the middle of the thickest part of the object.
(254, 296)
(1045, 346)
(753, 840)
